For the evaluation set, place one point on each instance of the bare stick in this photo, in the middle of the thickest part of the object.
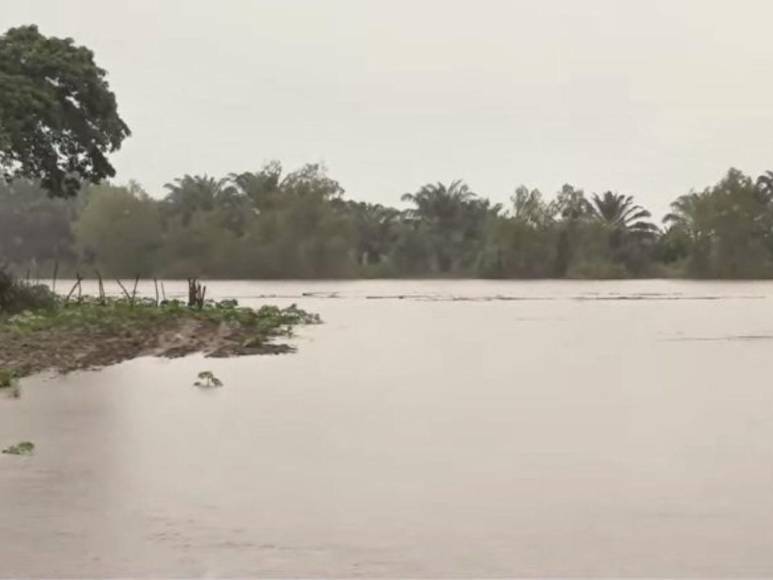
(163, 291)
(67, 298)
(134, 290)
(101, 288)
(196, 293)
(56, 271)
(155, 285)
(74, 286)
(128, 297)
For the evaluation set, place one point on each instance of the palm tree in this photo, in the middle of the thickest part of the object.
(261, 187)
(631, 236)
(765, 185)
(454, 217)
(691, 224)
(686, 212)
(438, 203)
(622, 214)
(376, 228)
(195, 193)
(192, 193)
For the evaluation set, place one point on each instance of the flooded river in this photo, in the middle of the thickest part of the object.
(428, 428)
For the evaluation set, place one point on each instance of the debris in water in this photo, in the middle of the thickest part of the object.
(208, 380)
(23, 448)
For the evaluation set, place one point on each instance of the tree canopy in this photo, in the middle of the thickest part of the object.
(58, 117)
(270, 223)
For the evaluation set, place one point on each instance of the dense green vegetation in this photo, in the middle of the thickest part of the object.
(59, 120)
(17, 296)
(84, 332)
(58, 117)
(268, 224)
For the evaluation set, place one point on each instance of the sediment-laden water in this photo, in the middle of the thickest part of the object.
(428, 428)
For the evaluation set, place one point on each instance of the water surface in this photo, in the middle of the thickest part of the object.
(428, 428)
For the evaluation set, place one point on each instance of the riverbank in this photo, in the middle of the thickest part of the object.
(92, 333)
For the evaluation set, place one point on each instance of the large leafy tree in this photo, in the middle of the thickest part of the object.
(260, 187)
(742, 224)
(58, 117)
(311, 181)
(530, 208)
(728, 228)
(570, 204)
(572, 207)
(521, 244)
(119, 230)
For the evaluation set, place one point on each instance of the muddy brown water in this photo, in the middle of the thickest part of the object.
(428, 428)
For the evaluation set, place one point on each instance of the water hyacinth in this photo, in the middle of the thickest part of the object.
(22, 448)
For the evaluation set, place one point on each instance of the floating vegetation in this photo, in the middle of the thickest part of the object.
(7, 378)
(23, 448)
(208, 380)
(9, 382)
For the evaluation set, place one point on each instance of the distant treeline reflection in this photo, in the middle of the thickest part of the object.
(269, 224)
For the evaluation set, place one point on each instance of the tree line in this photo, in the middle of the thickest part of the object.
(272, 224)
(59, 122)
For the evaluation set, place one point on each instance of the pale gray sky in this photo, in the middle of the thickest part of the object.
(645, 97)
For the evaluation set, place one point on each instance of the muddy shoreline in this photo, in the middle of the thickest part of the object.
(98, 334)
(64, 350)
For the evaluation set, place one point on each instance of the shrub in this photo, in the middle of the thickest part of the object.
(17, 296)
(7, 378)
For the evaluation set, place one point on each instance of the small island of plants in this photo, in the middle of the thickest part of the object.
(40, 330)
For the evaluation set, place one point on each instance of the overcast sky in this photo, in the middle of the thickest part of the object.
(647, 97)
